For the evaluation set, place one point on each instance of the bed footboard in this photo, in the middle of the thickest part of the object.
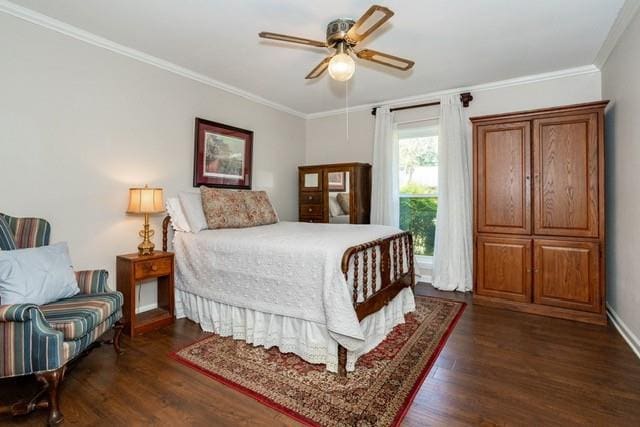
(377, 271)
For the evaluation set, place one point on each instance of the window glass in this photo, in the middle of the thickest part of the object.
(418, 158)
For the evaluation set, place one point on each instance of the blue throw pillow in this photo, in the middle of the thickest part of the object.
(36, 275)
(7, 242)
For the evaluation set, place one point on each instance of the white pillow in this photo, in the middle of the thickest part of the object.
(37, 275)
(178, 219)
(192, 208)
(334, 206)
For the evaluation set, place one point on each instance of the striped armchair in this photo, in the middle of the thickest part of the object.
(41, 340)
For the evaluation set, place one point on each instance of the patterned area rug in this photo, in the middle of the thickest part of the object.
(378, 393)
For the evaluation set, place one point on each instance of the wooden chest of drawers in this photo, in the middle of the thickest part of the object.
(315, 187)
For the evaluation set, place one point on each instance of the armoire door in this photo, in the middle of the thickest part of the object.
(503, 169)
(503, 268)
(565, 167)
(566, 274)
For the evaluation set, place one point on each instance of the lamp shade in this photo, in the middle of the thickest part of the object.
(145, 200)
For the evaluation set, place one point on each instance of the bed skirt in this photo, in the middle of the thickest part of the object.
(309, 340)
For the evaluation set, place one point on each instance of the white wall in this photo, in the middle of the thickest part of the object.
(621, 84)
(79, 125)
(326, 136)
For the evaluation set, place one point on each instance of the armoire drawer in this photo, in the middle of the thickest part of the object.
(310, 198)
(310, 210)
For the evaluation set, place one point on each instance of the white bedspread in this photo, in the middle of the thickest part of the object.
(289, 268)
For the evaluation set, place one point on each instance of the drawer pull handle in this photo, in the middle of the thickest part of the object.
(310, 198)
(154, 267)
(310, 210)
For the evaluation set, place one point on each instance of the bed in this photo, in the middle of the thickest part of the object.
(326, 292)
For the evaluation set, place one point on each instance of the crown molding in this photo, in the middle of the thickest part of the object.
(87, 37)
(534, 78)
(626, 14)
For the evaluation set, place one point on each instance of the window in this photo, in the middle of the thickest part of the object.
(418, 165)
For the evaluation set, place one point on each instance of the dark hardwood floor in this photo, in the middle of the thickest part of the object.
(498, 368)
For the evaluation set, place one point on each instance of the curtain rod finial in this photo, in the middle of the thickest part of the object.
(466, 98)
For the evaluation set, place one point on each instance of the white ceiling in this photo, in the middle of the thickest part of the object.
(455, 43)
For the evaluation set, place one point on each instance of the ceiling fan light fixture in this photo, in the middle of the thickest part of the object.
(344, 35)
(341, 67)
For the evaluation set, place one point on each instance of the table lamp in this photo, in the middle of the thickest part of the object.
(145, 201)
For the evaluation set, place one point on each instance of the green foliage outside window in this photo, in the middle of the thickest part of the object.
(415, 188)
(418, 215)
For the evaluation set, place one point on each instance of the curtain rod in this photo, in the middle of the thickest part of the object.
(465, 98)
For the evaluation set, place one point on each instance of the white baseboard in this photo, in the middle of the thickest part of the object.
(423, 278)
(624, 330)
(424, 271)
(146, 307)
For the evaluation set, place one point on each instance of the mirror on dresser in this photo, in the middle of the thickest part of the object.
(338, 197)
(335, 193)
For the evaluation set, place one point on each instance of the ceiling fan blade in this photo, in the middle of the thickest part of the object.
(385, 59)
(368, 23)
(319, 69)
(291, 39)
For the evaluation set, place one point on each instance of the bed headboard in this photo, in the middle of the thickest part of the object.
(165, 232)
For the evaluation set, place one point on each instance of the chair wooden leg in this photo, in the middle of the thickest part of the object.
(26, 406)
(117, 327)
(51, 381)
(117, 333)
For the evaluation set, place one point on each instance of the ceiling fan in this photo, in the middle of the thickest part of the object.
(343, 35)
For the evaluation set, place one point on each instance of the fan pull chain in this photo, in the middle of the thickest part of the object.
(346, 106)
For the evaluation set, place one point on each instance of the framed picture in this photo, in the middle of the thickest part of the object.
(222, 155)
(337, 181)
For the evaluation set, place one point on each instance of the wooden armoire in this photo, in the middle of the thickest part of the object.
(539, 211)
(314, 188)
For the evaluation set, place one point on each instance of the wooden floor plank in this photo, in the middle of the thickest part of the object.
(498, 368)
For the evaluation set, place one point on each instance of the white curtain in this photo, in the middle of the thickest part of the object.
(452, 263)
(385, 194)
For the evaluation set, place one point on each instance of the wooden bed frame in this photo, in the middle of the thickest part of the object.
(382, 259)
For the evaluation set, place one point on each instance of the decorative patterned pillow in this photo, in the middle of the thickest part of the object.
(343, 201)
(259, 208)
(224, 208)
(7, 242)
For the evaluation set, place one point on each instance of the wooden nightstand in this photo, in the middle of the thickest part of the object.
(133, 269)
